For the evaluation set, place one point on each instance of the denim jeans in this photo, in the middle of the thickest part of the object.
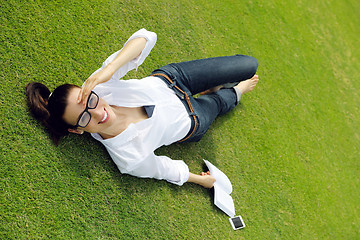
(197, 76)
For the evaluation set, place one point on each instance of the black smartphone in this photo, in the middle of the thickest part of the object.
(237, 222)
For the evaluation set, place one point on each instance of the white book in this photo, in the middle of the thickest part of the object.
(222, 190)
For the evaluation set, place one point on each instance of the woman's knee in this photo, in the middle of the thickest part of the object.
(248, 64)
(253, 64)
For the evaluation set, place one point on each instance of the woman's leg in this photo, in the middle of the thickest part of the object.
(203, 74)
(208, 107)
(199, 75)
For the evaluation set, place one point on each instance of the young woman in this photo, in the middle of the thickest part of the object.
(133, 118)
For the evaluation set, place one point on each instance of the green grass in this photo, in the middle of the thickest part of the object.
(291, 149)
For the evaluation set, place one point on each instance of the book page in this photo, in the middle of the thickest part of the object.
(221, 179)
(224, 201)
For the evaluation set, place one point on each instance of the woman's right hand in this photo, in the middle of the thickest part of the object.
(207, 181)
(204, 179)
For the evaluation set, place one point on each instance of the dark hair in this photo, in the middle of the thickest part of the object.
(49, 109)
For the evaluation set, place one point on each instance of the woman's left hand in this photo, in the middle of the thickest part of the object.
(100, 77)
(130, 51)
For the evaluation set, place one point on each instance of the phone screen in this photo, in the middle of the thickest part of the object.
(237, 222)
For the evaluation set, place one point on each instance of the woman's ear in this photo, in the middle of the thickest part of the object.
(77, 131)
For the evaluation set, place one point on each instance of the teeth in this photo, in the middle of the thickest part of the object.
(105, 116)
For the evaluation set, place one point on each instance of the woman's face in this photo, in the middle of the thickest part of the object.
(101, 117)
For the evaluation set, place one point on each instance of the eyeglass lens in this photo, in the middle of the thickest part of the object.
(91, 104)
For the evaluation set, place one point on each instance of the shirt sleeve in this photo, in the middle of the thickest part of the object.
(158, 167)
(136, 62)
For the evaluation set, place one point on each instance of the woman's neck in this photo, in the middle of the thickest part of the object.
(124, 116)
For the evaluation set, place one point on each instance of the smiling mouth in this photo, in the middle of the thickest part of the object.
(105, 117)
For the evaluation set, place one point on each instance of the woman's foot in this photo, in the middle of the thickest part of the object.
(243, 86)
(247, 85)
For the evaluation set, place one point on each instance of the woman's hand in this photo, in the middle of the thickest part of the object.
(204, 179)
(102, 76)
(130, 51)
(205, 173)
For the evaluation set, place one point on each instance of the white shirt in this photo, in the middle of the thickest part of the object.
(133, 149)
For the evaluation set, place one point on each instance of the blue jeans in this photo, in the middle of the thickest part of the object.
(197, 76)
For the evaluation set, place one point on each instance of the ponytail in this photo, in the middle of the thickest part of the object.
(38, 96)
(49, 108)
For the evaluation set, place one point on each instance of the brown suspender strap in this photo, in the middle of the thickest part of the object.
(187, 101)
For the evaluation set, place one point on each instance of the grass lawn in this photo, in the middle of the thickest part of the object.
(291, 149)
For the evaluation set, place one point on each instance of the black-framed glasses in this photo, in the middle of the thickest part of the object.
(85, 116)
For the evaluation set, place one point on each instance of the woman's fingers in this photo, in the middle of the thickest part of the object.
(85, 90)
(204, 174)
(80, 96)
(100, 77)
(83, 95)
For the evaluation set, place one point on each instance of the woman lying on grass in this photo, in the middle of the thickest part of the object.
(133, 118)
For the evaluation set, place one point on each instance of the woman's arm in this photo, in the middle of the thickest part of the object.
(160, 167)
(130, 51)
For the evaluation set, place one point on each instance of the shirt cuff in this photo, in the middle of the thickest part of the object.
(183, 173)
(150, 37)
